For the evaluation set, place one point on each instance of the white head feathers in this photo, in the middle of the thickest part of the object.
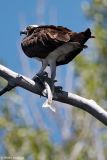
(33, 26)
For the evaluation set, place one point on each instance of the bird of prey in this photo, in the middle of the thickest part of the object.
(53, 45)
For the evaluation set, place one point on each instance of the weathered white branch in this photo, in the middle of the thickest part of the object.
(90, 106)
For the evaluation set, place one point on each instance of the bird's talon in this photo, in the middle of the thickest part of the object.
(55, 81)
(58, 88)
(39, 80)
(35, 78)
(43, 74)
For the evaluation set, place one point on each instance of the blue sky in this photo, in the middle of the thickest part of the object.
(16, 14)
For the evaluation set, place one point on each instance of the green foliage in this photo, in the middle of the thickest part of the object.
(92, 68)
(28, 142)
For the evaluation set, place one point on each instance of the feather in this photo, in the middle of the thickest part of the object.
(42, 40)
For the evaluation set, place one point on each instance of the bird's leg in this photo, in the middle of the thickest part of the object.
(44, 65)
(41, 73)
(53, 75)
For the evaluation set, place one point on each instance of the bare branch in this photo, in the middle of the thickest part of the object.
(6, 89)
(90, 106)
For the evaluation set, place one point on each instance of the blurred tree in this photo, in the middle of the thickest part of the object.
(92, 67)
(91, 78)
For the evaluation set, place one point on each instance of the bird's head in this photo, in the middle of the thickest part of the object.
(28, 30)
(82, 37)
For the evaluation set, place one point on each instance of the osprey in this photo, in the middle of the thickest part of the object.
(53, 45)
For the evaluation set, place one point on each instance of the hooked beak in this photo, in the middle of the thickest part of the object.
(23, 32)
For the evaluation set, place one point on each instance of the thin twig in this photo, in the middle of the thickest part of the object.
(6, 89)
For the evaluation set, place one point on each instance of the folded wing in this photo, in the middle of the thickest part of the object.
(44, 40)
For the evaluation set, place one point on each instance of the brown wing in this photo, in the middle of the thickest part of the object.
(44, 40)
(81, 37)
(57, 33)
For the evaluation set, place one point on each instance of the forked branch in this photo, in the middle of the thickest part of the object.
(15, 80)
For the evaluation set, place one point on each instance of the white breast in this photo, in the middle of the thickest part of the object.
(60, 53)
